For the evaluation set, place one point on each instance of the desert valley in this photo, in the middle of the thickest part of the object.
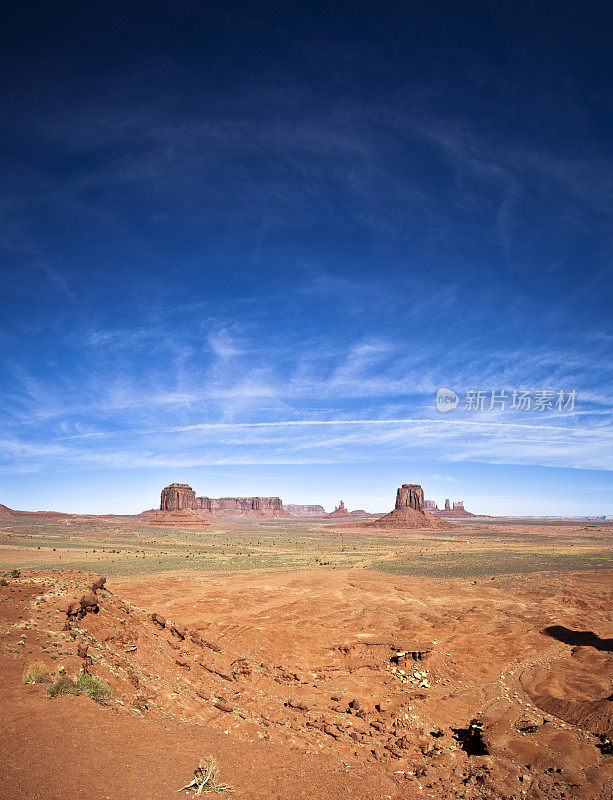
(407, 656)
(306, 401)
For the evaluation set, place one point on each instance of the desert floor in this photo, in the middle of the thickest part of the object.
(310, 660)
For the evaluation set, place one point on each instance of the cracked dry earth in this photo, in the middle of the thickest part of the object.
(312, 684)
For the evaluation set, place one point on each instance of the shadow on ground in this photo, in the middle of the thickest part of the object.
(580, 638)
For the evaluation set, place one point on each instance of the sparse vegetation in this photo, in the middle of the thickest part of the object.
(15, 573)
(205, 779)
(62, 685)
(36, 672)
(92, 686)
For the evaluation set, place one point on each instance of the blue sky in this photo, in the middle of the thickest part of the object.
(243, 245)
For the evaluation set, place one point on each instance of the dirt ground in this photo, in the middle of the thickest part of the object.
(310, 661)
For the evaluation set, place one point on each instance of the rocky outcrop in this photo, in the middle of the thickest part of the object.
(177, 497)
(241, 506)
(305, 510)
(409, 511)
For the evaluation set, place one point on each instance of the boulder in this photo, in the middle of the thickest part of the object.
(89, 601)
(98, 583)
(158, 620)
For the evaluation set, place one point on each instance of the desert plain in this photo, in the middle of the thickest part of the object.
(309, 659)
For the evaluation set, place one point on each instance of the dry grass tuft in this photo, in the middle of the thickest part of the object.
(63, 685)
(205, 779)
(36, 672)
(91, 685)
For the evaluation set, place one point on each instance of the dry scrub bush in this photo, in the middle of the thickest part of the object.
(36, 672)
(62, 685)
(91, 685)
(205, 779)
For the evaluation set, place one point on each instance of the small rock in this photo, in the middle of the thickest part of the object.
(299, 704)
(180, 631)
(223, 706)
(82, 648)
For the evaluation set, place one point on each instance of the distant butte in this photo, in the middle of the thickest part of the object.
(177, 507)
(409, 511)
(339, 511)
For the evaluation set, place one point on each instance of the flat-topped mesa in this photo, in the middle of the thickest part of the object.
(177, 497)
(305, 510)
(410, 495)
(242, 506)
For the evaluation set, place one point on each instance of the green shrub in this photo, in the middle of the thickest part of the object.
(3, 582)
(94, 687)
(15, 573)
(36, 672)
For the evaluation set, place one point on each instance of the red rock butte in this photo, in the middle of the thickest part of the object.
(339, 511)
(177, 507)
(177, 496)
(409, 511)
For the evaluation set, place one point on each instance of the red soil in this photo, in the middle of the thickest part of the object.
(335, 684)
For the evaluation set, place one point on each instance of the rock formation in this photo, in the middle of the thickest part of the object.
(177, 496)
(241, 506)
(409, 511)
(410, 495)
(339, 511)
(177, 508)
(455, 512)
(305, 510)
